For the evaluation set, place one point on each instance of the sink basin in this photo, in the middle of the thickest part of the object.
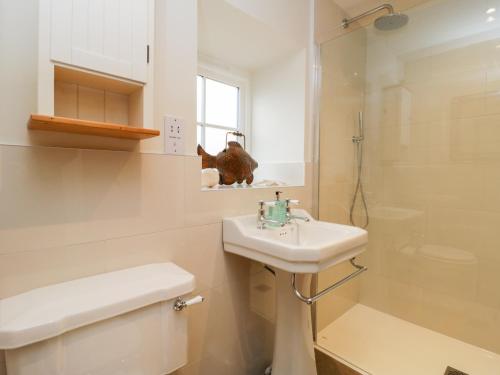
(299, 247)
(302, 247)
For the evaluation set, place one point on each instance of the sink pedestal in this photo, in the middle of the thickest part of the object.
(293, 344)
(302, 248)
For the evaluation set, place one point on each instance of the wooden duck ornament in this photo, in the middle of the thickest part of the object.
(233, 163)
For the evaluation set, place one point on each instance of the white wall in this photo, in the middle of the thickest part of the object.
(176, 53)
(18, 68)
(273, 41)
(279, 115)
(174, 60)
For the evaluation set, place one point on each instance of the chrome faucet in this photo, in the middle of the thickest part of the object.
(289, 216)
(261, 216)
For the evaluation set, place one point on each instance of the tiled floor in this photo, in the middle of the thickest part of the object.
(382, 344)
(327, 365)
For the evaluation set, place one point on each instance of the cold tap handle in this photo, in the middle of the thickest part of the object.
(266, 203)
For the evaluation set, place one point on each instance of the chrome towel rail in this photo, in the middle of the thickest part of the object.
(312, 299)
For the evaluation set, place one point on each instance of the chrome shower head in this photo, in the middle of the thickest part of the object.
(391, 21)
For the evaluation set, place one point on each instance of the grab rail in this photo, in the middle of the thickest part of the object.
(312, 299)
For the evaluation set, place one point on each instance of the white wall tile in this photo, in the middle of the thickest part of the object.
(55, 197)
(85, 212)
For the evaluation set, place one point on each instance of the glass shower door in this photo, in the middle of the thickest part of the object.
(430, 95)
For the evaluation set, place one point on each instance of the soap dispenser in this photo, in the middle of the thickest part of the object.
(278, 211)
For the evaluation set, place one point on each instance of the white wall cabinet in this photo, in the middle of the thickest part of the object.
(107, 36)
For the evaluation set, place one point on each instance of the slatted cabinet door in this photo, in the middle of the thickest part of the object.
(107, 36)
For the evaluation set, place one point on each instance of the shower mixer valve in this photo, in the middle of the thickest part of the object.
(358, 139)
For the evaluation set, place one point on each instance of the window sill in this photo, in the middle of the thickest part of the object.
(247, 187)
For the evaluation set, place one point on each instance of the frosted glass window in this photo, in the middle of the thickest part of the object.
(215, 140)
(221, 104)
(218, 112)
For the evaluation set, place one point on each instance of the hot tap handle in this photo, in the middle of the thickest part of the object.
(266, 203)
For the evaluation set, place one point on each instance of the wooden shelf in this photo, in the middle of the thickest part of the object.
(103, 129)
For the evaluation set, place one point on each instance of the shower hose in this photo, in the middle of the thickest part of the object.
(358, 191)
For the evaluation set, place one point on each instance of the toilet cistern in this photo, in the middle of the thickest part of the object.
(128, 322)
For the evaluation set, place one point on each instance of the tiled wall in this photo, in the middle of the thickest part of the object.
(69, 213)
(433, 171)
(432, 155)
(342, 70)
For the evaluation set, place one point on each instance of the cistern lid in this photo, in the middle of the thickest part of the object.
(48, 312)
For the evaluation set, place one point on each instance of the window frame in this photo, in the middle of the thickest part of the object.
(239, 81)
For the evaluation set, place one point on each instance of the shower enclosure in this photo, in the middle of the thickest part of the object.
(428, 95)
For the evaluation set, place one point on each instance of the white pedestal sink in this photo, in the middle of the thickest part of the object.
(297, 248)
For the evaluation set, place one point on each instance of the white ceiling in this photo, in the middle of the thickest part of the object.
(238, 37)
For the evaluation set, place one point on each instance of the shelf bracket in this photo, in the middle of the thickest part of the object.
(310, 300)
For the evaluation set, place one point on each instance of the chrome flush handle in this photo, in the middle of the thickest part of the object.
(181, 304)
